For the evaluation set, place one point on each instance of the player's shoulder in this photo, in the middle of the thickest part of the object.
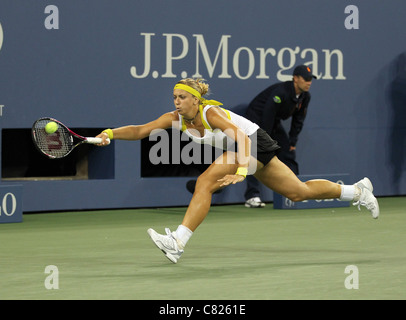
(172, 114)
(213, 111)
(168, 118)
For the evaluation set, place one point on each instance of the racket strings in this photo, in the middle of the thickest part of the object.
(55, 145)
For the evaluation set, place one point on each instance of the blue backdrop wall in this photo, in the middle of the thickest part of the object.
(105, 63)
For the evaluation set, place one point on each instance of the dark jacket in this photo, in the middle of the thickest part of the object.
(279, 102)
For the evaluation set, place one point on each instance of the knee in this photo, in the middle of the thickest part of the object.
(205, 184)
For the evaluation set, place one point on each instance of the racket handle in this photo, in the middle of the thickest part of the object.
(96, 140)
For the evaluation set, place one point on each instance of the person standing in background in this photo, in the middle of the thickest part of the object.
(280, 101)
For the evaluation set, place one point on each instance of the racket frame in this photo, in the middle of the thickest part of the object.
(73, 134)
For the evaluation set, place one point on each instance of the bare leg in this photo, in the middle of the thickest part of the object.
(206, 185)
(278, 177)
(275, 175)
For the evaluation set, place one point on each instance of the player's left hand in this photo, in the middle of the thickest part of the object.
(230, 179)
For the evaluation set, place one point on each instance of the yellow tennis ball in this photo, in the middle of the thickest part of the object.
(51, 127)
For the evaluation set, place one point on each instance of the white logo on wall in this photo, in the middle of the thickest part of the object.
(223, 62)
(8, 205)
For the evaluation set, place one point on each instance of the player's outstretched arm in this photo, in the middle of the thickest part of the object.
(137, 132)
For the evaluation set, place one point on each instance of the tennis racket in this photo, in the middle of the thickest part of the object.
(59, 143)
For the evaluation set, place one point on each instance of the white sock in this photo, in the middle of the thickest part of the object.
(349, 193)
(183, 234)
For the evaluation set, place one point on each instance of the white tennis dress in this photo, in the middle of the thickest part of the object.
(216, 137)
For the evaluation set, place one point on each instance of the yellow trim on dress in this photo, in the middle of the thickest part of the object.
(205, 123)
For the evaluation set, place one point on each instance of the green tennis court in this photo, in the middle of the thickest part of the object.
(237, 253)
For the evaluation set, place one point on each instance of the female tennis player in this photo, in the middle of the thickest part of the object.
(206, 122)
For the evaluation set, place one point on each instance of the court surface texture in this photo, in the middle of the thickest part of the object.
(237, 253)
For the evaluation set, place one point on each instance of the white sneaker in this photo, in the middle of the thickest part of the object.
(367, 199)
(365, 183)
(167, 244)
(255, 202)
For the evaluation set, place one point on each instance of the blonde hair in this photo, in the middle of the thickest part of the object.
(197, 84)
